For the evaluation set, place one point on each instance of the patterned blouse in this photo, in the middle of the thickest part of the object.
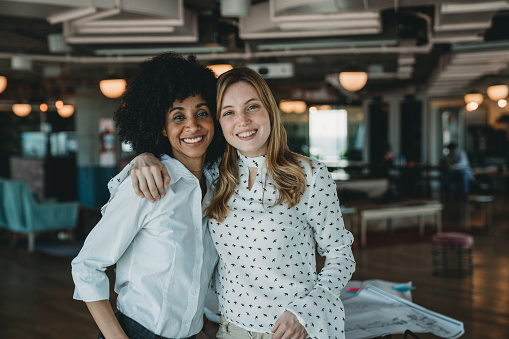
(267, 254)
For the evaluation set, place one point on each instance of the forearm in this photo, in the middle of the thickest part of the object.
(105, 319)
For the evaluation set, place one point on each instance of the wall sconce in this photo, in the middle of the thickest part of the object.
(112, 88)
(3, 83)
(502, 103)
(478, 98)
(22, 110)
(66, 111)
(220, 68)
(59, 104)
(43, 107)
(289, 106)
(498, 92)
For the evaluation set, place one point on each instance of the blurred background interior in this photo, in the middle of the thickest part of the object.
(376, 89)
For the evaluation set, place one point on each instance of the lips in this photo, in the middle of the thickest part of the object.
(193, 140)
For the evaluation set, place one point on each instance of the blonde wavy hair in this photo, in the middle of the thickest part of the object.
(283, 167)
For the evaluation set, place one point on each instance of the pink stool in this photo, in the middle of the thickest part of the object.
(453, 254)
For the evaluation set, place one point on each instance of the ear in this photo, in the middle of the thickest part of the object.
(164, 133)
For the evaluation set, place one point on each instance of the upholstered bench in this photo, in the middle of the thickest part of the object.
(388, 212)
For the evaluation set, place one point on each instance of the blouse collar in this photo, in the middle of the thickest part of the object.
(251, 162)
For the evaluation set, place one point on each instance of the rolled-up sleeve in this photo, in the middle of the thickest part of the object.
(108, 240)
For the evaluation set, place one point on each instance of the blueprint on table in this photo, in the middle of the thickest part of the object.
(373, 312)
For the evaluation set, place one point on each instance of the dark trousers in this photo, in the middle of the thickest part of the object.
(134, 330)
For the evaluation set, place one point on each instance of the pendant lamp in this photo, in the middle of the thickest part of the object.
(498, 92)
(353, 78)
(22, 110)
(220, 68)
(353, 81)
(3, 83)
(478, 98)
(289, 106)
(65, 111)
(112, 88)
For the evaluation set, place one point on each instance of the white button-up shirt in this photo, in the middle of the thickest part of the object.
(163, 253)
(267, 255)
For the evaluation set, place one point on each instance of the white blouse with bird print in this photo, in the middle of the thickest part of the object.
(267, 262)
(267, 254)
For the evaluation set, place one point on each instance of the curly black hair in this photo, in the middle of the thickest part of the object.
(161, 81)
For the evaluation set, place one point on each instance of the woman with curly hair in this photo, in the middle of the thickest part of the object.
(163, 252)
(271, 209)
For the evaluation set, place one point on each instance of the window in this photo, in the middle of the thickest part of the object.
(328, 134)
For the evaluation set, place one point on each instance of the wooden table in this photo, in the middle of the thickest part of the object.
(388, 212)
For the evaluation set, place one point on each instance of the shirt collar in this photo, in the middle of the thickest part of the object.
(176, 169)
(251, 162)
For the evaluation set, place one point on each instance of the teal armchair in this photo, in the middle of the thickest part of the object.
(23, 214)
(3, 220)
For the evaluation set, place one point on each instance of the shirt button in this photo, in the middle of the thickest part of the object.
(193, 292)
(198, 261)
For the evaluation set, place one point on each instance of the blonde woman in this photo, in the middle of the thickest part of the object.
(270, 209)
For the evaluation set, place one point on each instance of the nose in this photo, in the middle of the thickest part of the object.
(244, 119)
(192, 124)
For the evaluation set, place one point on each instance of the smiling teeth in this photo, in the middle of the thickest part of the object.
(246, 134)
(192, 141)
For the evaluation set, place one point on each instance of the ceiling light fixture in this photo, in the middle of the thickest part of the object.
(59, 104)
(502, 103)
(498, 92)
(353, 78)
(353, 81)
(43, 107)
(478, 98)
(21, 110)
(220, 68)
(66, 111)
(472, 106)
(112, 88)
(289, 106)
(3, 83)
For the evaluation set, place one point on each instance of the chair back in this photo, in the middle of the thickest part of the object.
(3, 219)
(16, 202)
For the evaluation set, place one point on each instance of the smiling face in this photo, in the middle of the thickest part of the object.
(244, 120)
(190, 129)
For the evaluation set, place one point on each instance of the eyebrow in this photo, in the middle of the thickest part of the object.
(179, 108)
(248, 101)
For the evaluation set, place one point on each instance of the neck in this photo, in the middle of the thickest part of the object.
(194, 165)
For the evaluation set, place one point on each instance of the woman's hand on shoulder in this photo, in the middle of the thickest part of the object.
(288, 326)
(150, 177)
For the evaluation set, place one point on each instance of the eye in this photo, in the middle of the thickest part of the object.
(253, 107)
(226, 113)
(178, 117)
(202, 114)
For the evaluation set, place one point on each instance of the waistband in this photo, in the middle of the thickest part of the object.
(135, 330)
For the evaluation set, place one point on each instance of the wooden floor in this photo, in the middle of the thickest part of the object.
(36, 289)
